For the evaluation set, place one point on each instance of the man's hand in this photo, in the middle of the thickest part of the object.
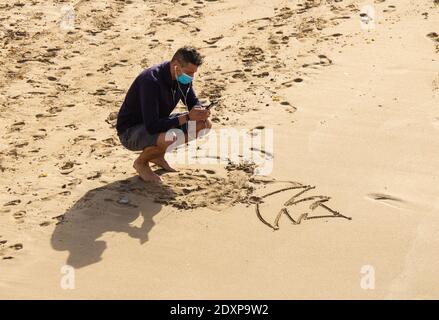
(199, 113)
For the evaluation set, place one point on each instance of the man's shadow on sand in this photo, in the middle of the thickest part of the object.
(106, 209)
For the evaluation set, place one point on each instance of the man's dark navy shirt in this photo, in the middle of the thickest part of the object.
(151, 98)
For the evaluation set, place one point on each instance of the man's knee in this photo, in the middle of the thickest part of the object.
(204, 124)
(164, 141)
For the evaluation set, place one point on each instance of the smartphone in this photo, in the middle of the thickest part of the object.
(210, 105)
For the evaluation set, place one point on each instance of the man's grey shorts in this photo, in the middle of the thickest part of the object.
(137, 138)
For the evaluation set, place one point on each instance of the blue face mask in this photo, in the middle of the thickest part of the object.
(184, 79)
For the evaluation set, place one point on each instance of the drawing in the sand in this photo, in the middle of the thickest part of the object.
(316, 202)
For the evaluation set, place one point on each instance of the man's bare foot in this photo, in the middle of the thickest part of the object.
(145, 172)
(161, 162)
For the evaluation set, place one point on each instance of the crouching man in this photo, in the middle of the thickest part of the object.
(145, 115)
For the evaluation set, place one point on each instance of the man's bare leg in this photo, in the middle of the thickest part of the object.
(141, 164)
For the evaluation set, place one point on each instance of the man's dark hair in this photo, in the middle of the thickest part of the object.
(188, 54)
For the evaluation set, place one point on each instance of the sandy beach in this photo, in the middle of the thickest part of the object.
(346, 92)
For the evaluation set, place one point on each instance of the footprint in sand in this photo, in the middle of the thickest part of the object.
(39, 136)
(8, 258)
(71, 126)
(16, 126)
(365, 18)
(433, 36)
(287, 84)
(5, 251)
(324, 60)
(392, 8)
(239, 75)
(388, 200)
(251, 55)
(12, 203)
(213, 40)
(81, 138)
(262, 74)
(20, 144)
(19, 215)
(290, 108)
(42, 115)
(54, 110)
(94, 175)
(382, 196)
(67, 167)
(16, 247)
